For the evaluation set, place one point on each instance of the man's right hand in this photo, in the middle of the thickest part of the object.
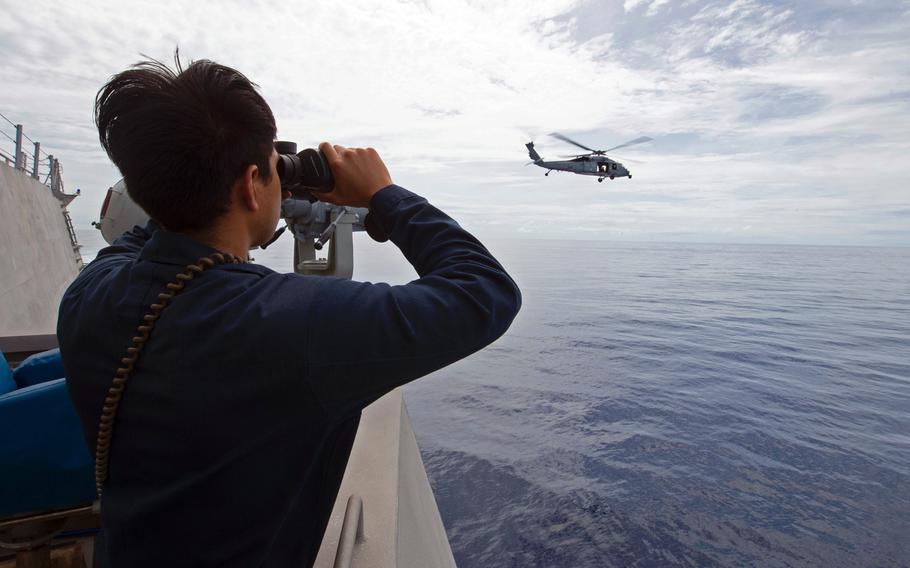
(359, 174)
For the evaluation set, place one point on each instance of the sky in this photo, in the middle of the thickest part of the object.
(773, 121)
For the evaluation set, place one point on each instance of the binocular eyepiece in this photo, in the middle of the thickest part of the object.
(304, 171)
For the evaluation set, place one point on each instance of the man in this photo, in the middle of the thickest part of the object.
(231, 439)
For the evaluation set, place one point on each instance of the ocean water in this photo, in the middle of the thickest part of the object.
(674, 405)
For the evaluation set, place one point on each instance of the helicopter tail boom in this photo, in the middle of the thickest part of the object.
(533, 153)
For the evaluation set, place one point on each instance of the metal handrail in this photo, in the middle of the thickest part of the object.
(351, 532)
(21, 156)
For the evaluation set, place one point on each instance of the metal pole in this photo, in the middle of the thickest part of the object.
(37, 158)
(55, 184)
(18, 154)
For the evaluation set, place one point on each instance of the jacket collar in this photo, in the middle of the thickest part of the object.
(174, 248)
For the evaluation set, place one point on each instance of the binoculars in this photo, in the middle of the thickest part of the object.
(304, 171)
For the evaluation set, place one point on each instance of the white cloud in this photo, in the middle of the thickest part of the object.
(653, 6)
(449, 91)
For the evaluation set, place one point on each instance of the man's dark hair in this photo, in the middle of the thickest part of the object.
(182, 137)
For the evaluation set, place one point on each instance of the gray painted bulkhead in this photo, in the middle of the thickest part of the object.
(39, 260)
(401, 522)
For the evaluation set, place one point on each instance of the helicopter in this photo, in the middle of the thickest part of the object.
(595, 163)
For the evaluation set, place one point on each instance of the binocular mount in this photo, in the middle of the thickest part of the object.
(314, 224)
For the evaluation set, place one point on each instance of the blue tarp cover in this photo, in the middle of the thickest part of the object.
(39, 368)
(44, 463)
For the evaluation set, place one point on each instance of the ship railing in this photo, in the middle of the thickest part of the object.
(35, 163)
(7, 158)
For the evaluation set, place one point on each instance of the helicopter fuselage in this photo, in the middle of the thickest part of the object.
(599, 166)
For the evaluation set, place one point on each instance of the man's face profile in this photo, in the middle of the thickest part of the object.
(270, 194)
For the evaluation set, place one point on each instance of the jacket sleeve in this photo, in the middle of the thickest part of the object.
(126, 248)
(366, 339)
(130, 242)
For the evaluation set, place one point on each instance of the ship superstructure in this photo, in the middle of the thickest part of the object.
(38, 245)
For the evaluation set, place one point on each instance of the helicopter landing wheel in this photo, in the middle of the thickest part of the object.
(546, 174)
(630, 176)
(600, 180)
(611, 177)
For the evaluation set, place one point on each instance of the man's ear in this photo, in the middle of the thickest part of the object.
(245, 188)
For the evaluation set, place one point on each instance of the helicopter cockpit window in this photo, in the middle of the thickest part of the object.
(614, 166)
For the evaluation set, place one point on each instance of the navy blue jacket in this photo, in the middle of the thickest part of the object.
(235, 428)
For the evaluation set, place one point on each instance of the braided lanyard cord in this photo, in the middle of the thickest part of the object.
(115, 393)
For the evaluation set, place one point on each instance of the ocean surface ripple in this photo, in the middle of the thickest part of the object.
(681, 405)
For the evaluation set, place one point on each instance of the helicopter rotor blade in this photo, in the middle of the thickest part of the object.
(570, 141)
(640, 140)
(623, 160)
